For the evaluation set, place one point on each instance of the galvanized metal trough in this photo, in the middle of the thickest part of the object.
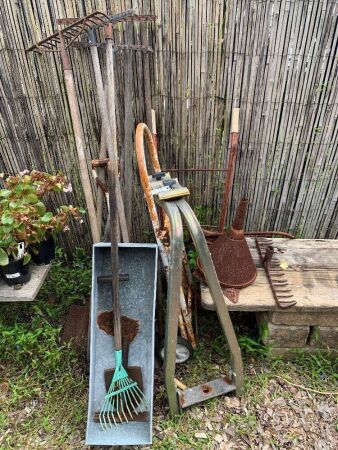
(137, 297)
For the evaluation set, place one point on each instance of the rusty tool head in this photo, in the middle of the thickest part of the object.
(231, 255)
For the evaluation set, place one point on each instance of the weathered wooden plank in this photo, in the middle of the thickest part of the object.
(311, 274)
(28, 291)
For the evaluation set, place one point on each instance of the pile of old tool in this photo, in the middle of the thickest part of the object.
(229, 250)
(275, 273)
(169, 196)
(120, 399)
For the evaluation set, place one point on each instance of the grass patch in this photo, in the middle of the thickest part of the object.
(43, 385)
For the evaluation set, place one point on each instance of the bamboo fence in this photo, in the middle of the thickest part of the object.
(275, 59)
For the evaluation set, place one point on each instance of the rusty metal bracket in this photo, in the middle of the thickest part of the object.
(272, 269)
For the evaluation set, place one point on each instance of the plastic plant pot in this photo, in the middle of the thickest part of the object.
(46, 251)
(16, 272)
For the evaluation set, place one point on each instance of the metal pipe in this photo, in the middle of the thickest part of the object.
(79, 139)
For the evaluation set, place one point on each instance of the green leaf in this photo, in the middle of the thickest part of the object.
(26, 258)
(7, 219)
(3, 257)
(47, 217)
(82, 210)
(5, 193)
(41, 208)
(32, 198)
(7, 228)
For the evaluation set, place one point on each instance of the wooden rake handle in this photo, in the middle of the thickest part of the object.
(114, 237)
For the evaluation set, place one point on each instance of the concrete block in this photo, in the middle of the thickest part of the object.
(324, 337)
(326, 319)
(284, 336)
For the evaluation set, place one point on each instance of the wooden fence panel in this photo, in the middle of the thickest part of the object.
(275, 59)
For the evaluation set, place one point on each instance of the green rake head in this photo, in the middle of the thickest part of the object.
(124, 399)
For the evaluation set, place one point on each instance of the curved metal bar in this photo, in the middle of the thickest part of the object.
(215, 290)
(143, 133)
(161, 233)
(173, 302)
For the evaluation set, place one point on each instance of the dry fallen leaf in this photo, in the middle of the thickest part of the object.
(201, 435)
(283, 264)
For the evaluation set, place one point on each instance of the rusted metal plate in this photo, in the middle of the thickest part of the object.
(76, 326)
(202, 392)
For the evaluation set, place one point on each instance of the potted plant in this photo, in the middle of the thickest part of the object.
(25, 224)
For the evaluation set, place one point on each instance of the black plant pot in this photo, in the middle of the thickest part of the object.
(46, 251)
(16, 272)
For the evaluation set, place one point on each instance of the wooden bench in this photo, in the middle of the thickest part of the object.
(312, 275)
(28, 291)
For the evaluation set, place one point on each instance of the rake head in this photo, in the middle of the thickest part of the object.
(123, 401)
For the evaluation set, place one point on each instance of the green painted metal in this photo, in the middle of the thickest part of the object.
(176, 209)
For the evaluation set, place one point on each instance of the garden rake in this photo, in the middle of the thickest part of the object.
(124, 398)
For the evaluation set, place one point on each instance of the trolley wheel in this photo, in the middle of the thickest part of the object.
(184, 350)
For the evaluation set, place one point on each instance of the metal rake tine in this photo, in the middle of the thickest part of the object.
(102, 415)
(124, 397)
(117, 408)
(111, 412)
(127, 406)
(102, 420)
(137, 401)
(143, 398)
(131, 401)
(122, 409)
(286, 305)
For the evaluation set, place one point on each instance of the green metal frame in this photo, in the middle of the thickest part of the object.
(175, 209)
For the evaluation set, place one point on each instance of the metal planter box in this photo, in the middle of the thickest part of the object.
(137, 297)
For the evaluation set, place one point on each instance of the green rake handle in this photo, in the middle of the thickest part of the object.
(112, 170)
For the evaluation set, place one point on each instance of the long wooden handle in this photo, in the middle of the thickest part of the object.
(230, 168)
(114, 232)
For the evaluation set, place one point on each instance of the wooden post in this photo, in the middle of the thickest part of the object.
(229, 178)
(79, 139)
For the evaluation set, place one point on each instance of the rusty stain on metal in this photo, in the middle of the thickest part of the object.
(206, 389)
(130, 327)
(266, 253)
